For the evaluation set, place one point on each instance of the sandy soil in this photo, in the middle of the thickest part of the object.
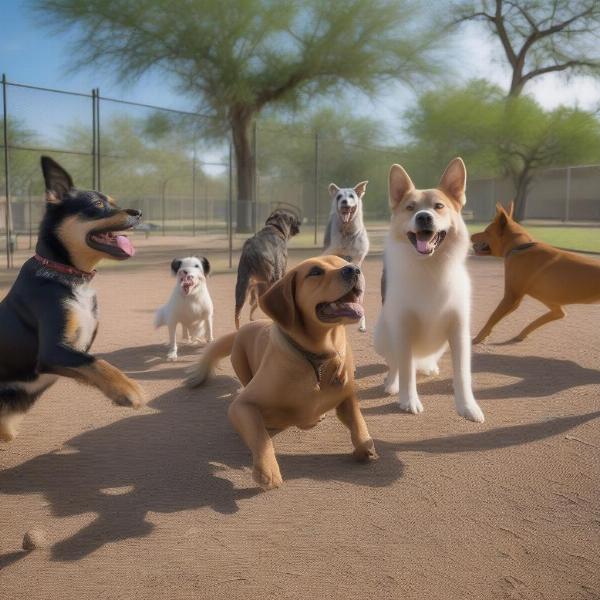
(159, 503)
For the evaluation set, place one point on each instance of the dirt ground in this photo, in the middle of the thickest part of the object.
(160, 503)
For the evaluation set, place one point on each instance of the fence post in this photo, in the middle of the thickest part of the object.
(254, 178)
(568, 196)
(98, 151)
(316, 174)
(163, 203)
(230, 205)
(7, 212)
(194, 194)
(94, 178)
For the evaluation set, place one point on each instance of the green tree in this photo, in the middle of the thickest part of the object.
(512, 138)
(540, 36)
(237, 58)
(348, 149)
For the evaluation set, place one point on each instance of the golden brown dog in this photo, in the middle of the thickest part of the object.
(299, 367)
(552, 276)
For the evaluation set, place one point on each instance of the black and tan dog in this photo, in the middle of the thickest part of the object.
(264, 259)
(48, 320)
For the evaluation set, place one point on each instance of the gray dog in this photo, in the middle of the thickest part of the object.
(264, 258)
(346, 235)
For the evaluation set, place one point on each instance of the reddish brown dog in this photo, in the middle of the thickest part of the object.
(531, 268)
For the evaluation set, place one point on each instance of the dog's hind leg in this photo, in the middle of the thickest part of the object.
(241, 289)
(556, 312)
(362, 326)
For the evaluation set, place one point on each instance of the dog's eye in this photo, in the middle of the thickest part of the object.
(410, 207)
(439, 206)
(315, 272)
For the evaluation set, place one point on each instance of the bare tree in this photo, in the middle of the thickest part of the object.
(541, 36)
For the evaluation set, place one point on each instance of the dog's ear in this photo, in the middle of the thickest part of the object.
(205, 265)
(502, 220)
(499, 208)
(58, 181)
(511, 209)
(454, 181)
(279, 301)
(333, 189)
(175, 264)
(361, 188)
(400, 184)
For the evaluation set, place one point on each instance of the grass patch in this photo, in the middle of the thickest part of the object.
(586, 239)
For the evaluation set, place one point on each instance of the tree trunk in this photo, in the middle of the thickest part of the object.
(522, 181)
(245, 162)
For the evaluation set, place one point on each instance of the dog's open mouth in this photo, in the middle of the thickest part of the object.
(481, 249)
(349, 306)
(111, 241)
(346, 213)
(425, 241)
(187, 283)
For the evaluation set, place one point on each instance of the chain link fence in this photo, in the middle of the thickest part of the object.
(158, 160)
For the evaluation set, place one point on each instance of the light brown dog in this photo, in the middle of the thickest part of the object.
(299, 367)
(552, 276)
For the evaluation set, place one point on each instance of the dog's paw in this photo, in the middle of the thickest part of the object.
(517, 339)
(365, 452)
(131, 394)
(172, 356)
(412, 405)
(391, 385)
(478, 339)
(472, 412)
(267, 475)
(7, 436)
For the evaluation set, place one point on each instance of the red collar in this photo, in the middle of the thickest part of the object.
(67, 269)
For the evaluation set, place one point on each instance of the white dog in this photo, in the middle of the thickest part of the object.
(346, 234)
(190, 304)
(426, 288)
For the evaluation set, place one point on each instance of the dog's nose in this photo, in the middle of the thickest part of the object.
(184, 272)
(424, 220)
(133, 212)
(350, 272)
(344, 202)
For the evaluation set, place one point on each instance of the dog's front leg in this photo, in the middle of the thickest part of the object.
(407, 377)
(209, 328)
(248, 421)
(507, 305)
(349, 414)
(172, 352)
(109, 380)
(460, 346)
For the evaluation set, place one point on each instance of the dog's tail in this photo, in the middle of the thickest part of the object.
(241, 290)
(160, 317)
(213, 353)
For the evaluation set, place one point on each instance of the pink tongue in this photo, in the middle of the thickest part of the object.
(125, 245)
(423, 245)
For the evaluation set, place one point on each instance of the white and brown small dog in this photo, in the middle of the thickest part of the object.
(346, 234)
(426, 288)
(190, 304)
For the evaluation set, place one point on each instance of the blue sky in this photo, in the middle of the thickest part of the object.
(30, 54)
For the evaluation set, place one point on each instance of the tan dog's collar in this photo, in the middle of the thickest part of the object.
(317, 361)
(520, 248)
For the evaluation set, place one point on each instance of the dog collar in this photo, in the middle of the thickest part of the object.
(66, 269)
(318, 362)
(520, 248)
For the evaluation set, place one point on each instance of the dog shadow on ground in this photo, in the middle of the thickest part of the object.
(536, 377)
(171, 460)
(140, 362)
